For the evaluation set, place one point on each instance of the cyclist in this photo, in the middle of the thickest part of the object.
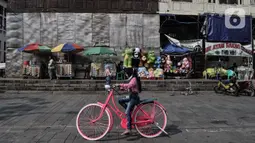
(134, 87)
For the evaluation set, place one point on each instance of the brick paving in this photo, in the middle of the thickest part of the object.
(40, 117)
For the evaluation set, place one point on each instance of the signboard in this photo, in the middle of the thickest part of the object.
(228, 49)
(195, 45)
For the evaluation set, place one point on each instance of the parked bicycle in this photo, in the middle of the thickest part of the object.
(95, 120)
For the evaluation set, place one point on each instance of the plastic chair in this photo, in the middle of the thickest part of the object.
(120, 75)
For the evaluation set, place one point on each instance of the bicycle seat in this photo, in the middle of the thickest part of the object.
(145, 101)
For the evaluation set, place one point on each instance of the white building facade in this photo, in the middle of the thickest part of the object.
(195, 7)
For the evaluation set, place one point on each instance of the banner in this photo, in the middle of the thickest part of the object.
(194, 45)
(221, 28)
(228, 49)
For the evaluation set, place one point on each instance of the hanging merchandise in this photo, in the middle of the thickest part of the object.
(157, 62)
(163, 61)
(159, 73)
(168, 64)
(143, 61)
(142, 72)
(185, 66)
(127, 58)
(136, 57)
(151, 58)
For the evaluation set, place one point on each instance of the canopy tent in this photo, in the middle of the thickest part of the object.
(174, 49)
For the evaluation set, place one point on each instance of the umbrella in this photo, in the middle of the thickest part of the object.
(67, 47)
(30, 48)
(99, 51)
(174, 49)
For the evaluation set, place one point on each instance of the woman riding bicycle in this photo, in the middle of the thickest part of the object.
(134, 87)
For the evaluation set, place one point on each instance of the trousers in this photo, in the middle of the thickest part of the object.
(128, 104)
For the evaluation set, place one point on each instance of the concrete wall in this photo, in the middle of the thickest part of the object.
(2, 33)
(114, 30)
(201, 6)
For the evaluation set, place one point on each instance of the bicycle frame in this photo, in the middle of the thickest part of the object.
(225, 86)
(117, 111)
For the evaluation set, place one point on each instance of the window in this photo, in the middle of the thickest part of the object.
(211, 1)
(1, 10)
(228, 1)
(4, 24)
(1, 22)
(183, 0)
(4, 51)
(5, 11)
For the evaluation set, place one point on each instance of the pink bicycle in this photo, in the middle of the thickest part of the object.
(95, 120)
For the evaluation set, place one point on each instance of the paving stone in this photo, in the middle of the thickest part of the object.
(202, 118)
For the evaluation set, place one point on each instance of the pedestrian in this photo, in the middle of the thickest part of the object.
(51, 68)
(108, 75)
(87, 71)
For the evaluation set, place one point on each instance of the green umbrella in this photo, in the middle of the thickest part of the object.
(99, 51)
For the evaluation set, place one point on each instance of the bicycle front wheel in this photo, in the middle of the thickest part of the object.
(145, 112)
(89, 130)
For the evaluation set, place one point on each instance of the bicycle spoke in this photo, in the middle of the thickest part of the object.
(150, 129)
(93, 130)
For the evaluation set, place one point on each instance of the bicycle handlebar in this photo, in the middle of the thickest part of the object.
(114, 88)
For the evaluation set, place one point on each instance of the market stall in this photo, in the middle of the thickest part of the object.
(176, 61)
(232, 58)
(102, 57)
(147, 62)
(33, 67)
(65, 68)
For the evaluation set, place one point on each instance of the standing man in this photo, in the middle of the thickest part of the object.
(51, 68)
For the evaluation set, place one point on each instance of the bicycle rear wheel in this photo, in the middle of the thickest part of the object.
(87, 129)
(150, 130)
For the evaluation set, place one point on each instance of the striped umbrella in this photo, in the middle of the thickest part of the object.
(67, 47)
(35, 47)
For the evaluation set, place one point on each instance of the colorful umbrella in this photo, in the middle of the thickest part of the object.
(99, 51)
(67, 47)
(30, 48)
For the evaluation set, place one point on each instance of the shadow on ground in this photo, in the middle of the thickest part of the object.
(19, 106)
(115, 135)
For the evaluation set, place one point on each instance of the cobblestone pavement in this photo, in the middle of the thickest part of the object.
(206, 117)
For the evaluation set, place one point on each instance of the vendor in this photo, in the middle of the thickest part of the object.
(233, 67)
(87, 71)
(120, 66)
(51, 68)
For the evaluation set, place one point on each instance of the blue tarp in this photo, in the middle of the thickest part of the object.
(217, 30)
(174, 49)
